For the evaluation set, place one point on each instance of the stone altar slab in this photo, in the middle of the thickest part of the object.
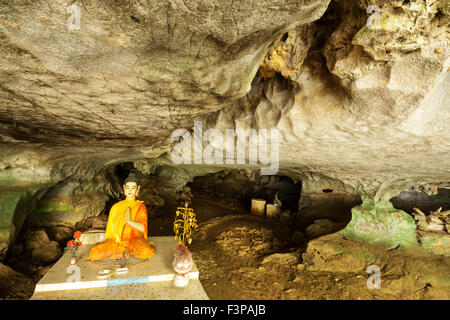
(149, 279)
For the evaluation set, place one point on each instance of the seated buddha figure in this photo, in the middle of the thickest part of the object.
(126, 231)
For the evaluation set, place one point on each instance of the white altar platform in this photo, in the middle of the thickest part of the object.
(149, 279)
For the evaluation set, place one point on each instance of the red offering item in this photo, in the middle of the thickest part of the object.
(73, 244)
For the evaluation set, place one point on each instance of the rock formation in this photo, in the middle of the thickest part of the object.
(362, 109)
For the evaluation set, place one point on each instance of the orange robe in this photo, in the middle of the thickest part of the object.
(120, 235)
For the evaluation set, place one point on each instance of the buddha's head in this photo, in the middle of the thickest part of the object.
(131, 186)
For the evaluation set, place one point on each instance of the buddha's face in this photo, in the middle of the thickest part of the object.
(130, 189)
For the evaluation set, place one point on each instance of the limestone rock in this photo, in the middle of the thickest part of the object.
(330, 253)
(59, 233)
(300, 267)
(66, 205)
(280, 259)
(287, 54)
(262, 247)
(47, 254)
(403, 28)
(35, 239)
(14, 284)
(436, 242)
(156, 201)
(118, 74)
(100, 222)
(322, 227)
(42, 249)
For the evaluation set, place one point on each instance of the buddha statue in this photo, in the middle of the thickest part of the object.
(126, 231)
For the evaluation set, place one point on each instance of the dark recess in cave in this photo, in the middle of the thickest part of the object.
(235, 187)
(326, 25)
(122, 171)
(407, 200)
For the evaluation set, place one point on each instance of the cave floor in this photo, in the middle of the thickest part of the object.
(231, 253)
(241, 256)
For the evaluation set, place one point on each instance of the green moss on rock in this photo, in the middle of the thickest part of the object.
(55, 206)
(379, 223)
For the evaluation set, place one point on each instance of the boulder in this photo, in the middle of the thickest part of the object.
(59, 233)
(281, 259)
(321, 227)
(47, 254)
(14, 284)
(42, 249)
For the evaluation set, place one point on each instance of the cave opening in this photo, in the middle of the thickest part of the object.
(227, 192)
(234, 189)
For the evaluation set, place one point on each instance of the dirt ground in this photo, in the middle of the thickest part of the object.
(249, 257)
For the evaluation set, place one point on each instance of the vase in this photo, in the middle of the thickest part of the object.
(181, 279)
(73, 260)
(182, 269)
(182, 264)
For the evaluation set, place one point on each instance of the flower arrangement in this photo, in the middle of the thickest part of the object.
(74, 244)
(183, 226)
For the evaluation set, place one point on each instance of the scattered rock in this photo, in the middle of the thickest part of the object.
(262, 247)
(435, 221)
(333, 253)
(280, 259)
(301, 267)
(322, 227)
